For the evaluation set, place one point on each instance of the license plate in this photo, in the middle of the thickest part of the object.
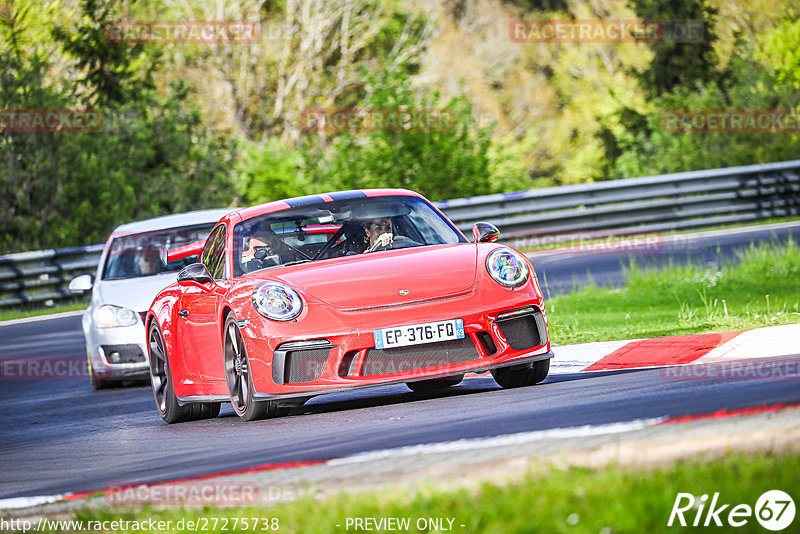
(417, 334)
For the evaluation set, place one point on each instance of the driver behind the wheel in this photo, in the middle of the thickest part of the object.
(379, 233)
(263, 248)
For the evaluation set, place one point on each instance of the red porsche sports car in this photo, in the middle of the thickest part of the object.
(311, 295)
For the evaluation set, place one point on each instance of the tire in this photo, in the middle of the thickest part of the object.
(163, 390)
(99, 383)
(240, 380)
(435, 383)
(519, 376)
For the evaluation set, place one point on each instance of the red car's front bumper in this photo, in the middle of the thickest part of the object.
(296, 359)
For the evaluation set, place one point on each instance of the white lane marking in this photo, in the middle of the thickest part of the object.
(27, 502)
(12, 322)
(768, 342)
(498, 441)
(575, 358)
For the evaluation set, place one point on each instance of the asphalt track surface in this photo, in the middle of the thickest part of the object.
(60, 436)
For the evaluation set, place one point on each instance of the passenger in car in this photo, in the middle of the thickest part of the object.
(379, 233)
(148, 261)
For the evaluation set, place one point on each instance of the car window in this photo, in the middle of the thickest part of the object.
(324, 230)
(137, 255)
(214, 253)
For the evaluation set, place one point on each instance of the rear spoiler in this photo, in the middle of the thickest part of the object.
(192, 249)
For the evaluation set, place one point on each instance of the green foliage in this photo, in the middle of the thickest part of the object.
(270, 170)
(677, 63)
(655, 150)
(447, 161)
(153, 156)
(113, 74)
(781, 51)
(757, 77)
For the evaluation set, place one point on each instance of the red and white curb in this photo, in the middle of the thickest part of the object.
(740, 345)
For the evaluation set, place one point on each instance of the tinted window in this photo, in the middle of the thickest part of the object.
(323, 230)
(135, 255)
(214, 253)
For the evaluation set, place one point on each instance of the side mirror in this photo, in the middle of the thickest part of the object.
(80, 284)
(485, 232)
(196, 272)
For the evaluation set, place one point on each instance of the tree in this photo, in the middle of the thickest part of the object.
(448, 160)
(153, 155)
(678, 61)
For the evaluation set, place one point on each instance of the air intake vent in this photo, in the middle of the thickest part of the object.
(300, 361)
(382, 361)
(524, 329)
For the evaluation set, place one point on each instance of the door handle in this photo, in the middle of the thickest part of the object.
(183, 313)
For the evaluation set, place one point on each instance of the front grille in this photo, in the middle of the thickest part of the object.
(381, 361)
(305, 365)
(301, 361)
(123, 354)
(523, 331)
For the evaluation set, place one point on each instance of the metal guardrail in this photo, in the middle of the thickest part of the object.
(41, 277)
(637, 205)
(620, 207)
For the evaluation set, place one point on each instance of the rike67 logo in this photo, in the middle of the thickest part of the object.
(774, 510)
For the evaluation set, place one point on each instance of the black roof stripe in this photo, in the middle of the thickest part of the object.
(343, 195)
(304, 201)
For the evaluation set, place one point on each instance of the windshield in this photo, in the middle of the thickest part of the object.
(347, 227)
(137, 255)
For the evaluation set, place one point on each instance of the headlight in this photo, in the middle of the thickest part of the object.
(276, 301)
(507, 267)
(108, 316)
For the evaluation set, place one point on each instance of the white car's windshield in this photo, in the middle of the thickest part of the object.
(324, 230)
(136, 255)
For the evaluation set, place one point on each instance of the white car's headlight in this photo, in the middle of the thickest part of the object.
(276, 301)
(507, 267)
(108, 316)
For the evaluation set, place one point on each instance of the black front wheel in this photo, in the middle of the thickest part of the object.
(435, 383)
(239, 378)
(519, 376)
(164, 393)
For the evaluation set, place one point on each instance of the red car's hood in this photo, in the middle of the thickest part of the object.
(377, 279)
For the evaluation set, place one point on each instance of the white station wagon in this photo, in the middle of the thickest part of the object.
(131, 272)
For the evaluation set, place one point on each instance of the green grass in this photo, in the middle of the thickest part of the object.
(20, 313)
(549, 500)
(685, 299)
